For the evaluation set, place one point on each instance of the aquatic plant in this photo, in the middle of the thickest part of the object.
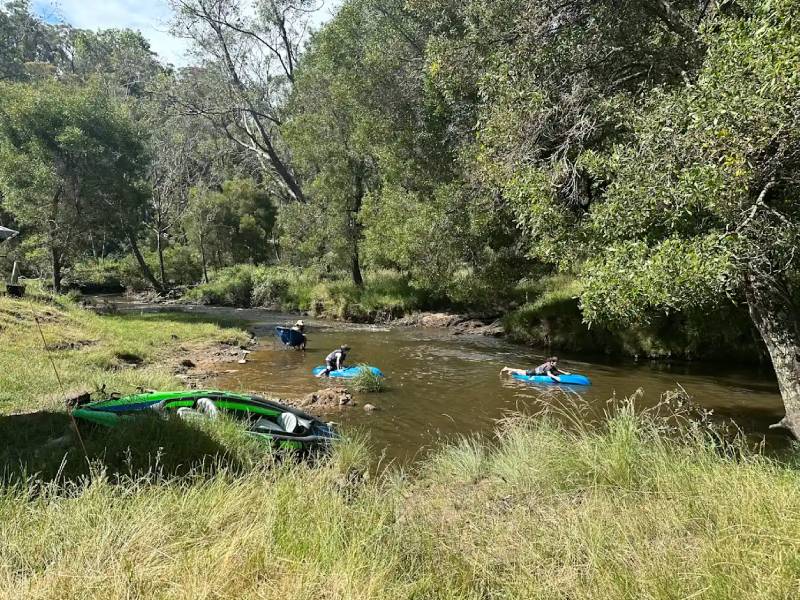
(367, 381)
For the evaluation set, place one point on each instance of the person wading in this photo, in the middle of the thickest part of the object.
(335, 360)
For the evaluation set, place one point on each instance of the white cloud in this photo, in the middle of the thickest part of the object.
(151, 17)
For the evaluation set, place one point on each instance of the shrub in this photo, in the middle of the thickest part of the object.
(95, 277)
(367, 381)
(232, 286)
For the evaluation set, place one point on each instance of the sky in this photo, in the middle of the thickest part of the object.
(151, 17)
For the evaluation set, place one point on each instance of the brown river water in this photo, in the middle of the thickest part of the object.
(440, 385)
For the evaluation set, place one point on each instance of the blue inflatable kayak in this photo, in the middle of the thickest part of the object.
(349, 372)
(565, 379)
(290, 337)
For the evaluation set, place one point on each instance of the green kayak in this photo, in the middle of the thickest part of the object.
(276, 423)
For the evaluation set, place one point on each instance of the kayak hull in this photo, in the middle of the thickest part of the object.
(248, 409)
(573, 379)
(349, 372)
(289, 337)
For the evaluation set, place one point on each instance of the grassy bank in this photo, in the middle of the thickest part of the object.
(628, 509)
(121, 352)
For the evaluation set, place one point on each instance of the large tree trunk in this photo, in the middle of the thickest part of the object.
(775, 316)
(148, 274)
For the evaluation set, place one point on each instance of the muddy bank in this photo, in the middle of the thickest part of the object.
(196, 364)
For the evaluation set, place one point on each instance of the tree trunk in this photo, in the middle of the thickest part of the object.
(160, 248)
(203, 258)
(55, 254)
(358, 279)
(355, 227)
(148, 274)
(52, 232)
(776, 319)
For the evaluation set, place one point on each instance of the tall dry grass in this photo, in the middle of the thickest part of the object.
(635, 506)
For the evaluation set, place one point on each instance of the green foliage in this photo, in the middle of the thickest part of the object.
(366, 381)
(69, 156)
(232, 286)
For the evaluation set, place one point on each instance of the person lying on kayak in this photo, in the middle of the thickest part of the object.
(335, 360)
(549, 368)
(300, 327)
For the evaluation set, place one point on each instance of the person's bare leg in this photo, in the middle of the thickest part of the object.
(512, 371)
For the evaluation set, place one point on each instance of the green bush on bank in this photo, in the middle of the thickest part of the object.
(295, 289)
(551, 317)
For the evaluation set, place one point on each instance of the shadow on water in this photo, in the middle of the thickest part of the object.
(43, 446)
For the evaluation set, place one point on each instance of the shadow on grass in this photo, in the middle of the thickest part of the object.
(43, 446)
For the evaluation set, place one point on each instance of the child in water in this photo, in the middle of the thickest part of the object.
(549, 368)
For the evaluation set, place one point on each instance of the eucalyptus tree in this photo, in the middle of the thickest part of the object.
(248, 54)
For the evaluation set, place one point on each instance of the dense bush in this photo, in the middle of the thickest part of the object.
(95, 277)
(551, 317)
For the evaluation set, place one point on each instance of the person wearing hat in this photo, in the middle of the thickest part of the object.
(301, 328)
(335, 360)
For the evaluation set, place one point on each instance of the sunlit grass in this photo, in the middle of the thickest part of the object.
(122, 352)
(633, 505)
(631, 508)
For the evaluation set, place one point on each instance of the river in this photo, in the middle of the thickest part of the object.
(441, 385)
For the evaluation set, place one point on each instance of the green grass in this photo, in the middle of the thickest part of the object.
(122, 352)
(630, 508)
(367, 381)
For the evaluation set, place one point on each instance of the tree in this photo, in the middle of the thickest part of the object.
(249, 62)
(230, 225)
(704, 204)
(69, 157)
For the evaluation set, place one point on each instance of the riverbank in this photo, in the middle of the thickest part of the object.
(544, 313)
(630, 508)
(114, 352)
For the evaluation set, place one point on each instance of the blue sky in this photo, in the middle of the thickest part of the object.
(151, 17)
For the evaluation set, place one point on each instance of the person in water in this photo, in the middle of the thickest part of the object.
(335, 360)
(549, 368)
(301, 328)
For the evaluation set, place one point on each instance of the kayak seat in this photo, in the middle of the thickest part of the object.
(289, 422)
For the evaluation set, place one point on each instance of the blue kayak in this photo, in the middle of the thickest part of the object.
(348, 372)
(290, 337)
(565, 379)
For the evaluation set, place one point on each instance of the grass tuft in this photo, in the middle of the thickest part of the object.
(367, 381)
